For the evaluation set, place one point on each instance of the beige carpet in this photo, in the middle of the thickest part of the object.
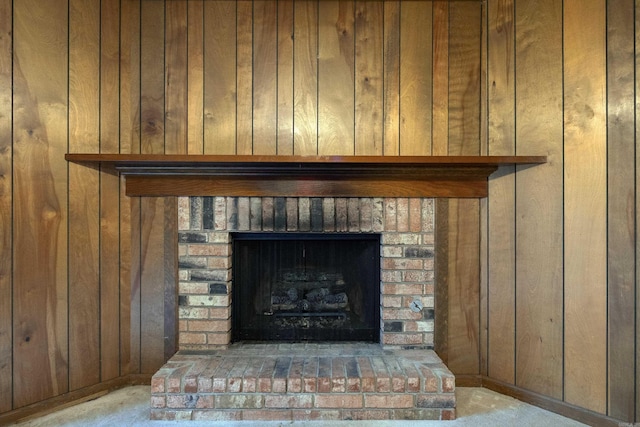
(130, 407)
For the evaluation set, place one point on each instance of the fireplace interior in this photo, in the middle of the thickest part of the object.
(306, 287)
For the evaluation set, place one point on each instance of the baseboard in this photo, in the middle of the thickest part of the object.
(72, 398)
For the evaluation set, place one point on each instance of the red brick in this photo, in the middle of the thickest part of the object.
(193, 338)
(310, 385)
(264, 385)
(318, 414)
(205, 384)
(338, 401)
(403, 289)
(288, 401)
(190, 384)
(279, 385)
(217, 415)
(294, 385)
(158, 401)
(402, 214)
(402, 264)
(220, 313)
(402, 339)
(157, 385)
(239, 401)
(448, 414)
(398, 384)
(209, 249)
(205, 402)
(388, 400)
(390, 222)
(249, 384)
(234, 385)
(219, 385)
(324, 385)
(415, 214)
(353, 385)
(383, 384)
(366, 414)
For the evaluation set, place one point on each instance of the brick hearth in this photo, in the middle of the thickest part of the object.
(211, 378)
(348, 381)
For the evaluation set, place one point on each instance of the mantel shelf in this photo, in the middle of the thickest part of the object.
(305, 176)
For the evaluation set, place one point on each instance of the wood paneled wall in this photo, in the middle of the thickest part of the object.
(561, 280)
(541, 275)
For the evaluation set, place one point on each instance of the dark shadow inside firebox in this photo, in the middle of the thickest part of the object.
(296, 287)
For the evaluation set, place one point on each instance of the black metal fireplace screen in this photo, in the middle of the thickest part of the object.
(306, 287)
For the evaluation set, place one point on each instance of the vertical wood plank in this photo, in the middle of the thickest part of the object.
(109, 192)
(40, 198)
(175, 45)
(305, 69)
(6, 208)
(391, 78)
(501, 200)
(416, 97)
(440, 114)
(369, 78)
(84, 195)
(637, 207)
(195, 77)
(265, 75)
(335, 78)
(285, 111)
(585, 191)
(244, 77)
(621, 222)
(539, 261)
(220, 77)
(129, 143)
(152, 107)
(464, 214)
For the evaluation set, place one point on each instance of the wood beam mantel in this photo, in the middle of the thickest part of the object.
(304, 176)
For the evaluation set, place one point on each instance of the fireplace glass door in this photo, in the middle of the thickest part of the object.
(306, 287)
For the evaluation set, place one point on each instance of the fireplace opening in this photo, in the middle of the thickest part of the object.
(306, 287)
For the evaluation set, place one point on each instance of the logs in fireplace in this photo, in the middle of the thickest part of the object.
(306, 287)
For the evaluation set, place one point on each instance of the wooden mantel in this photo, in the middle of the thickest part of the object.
(306, 176)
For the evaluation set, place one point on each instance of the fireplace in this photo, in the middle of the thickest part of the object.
(306, 287)
(335, 320)
(399, 306)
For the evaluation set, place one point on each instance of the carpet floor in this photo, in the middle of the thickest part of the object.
(129, 406)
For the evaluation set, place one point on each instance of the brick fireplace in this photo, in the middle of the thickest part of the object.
(213, 378)
(407, 258)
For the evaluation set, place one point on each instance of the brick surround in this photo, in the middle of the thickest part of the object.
(211, 378)
(407, 258)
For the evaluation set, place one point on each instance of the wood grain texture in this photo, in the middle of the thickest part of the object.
(285, 67)
(84, 193)
(219, 77)
(391, 76)
(464, 215)
(265, 77)
(175, 80)
(621, 222)
(416, 97)
(501, 200)
(336, 67)
(305, 70)
(539, 261)
(585, 190)
(195, 77)
(244, 76)
(152, 87)
(6, 209)
(637, 206)
(109, 193)
(40, 337)
(440, 81)
(369, 78)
